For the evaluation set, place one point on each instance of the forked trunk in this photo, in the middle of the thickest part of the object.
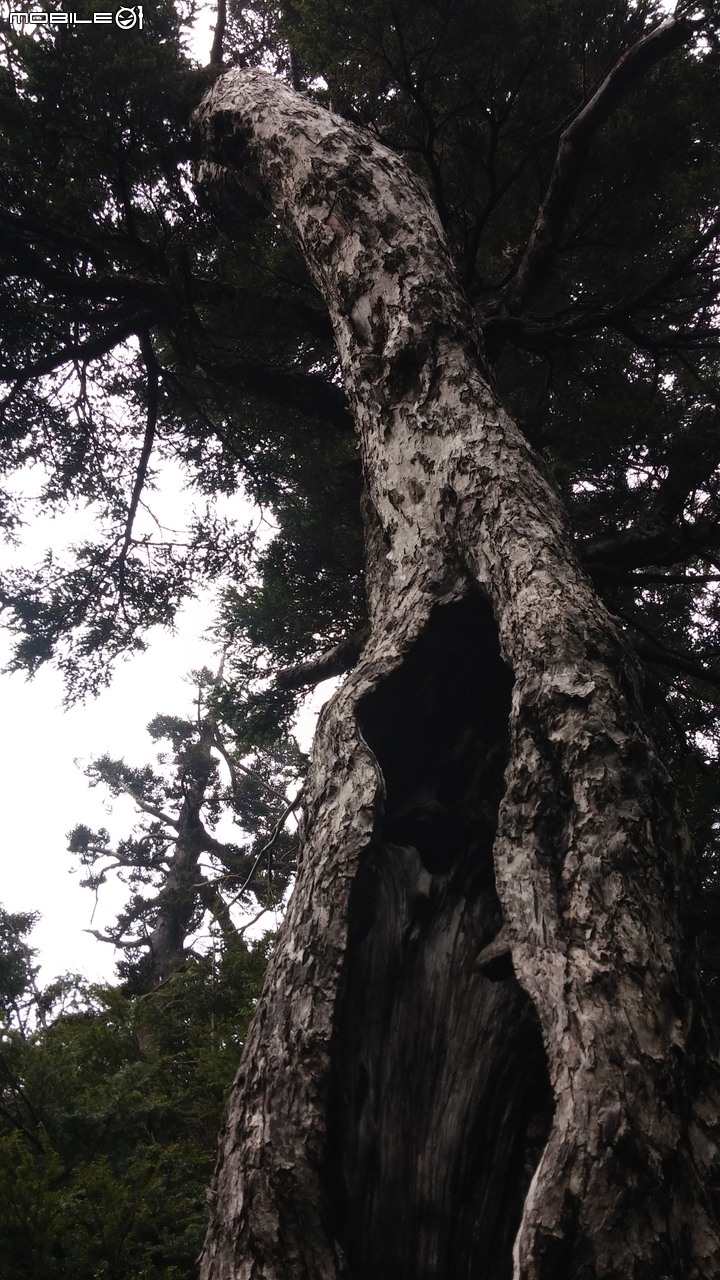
(423, 1097)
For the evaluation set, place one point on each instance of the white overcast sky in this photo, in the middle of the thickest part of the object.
(43, 789)
(45, 792)
(43, 748)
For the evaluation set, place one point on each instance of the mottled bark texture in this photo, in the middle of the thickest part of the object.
(410, 1104)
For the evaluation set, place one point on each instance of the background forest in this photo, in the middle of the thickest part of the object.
(140, 329)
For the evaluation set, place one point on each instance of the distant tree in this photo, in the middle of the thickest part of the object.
(178, 871)
(18, 971)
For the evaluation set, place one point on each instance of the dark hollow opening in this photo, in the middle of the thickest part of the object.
(440, 1101)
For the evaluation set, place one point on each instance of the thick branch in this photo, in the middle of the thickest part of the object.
(335, 662)
(309, 393)
(159, 297)
(652, 651)
(83, 352)
(122, 943)
(656, 544)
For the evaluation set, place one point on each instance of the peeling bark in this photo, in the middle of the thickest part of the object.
(409, 1102)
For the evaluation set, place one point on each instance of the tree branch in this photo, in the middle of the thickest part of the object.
(153, 387)
(216, 53)
(213, 901)
(82, 351)
(334, 662)
(151, 809)
(676, 579)
(653, 650)
(117, 942)
(244, 927)
(656, 545)
(536, 335)
(272, 839)
(572, 154)
(308, 393)
(234, 766)
(132, 288)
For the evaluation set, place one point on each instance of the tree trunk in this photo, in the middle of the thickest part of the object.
(476, 1050)
(177, 900)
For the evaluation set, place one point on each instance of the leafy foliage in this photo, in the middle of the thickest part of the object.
(109, 1109)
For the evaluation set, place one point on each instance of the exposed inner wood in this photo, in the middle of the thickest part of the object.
(441, 1099)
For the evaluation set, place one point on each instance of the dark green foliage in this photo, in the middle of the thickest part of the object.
(109, 1111)
(94, 192)
(125, 345)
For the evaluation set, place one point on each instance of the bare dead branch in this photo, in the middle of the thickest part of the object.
(572, 154)
(262, 912)
(153, 390)
(293, 804)
(124, 944)
(235, 767)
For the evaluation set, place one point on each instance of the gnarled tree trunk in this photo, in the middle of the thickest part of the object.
(475, 1053)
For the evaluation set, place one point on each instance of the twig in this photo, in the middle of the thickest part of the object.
(268, 845)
